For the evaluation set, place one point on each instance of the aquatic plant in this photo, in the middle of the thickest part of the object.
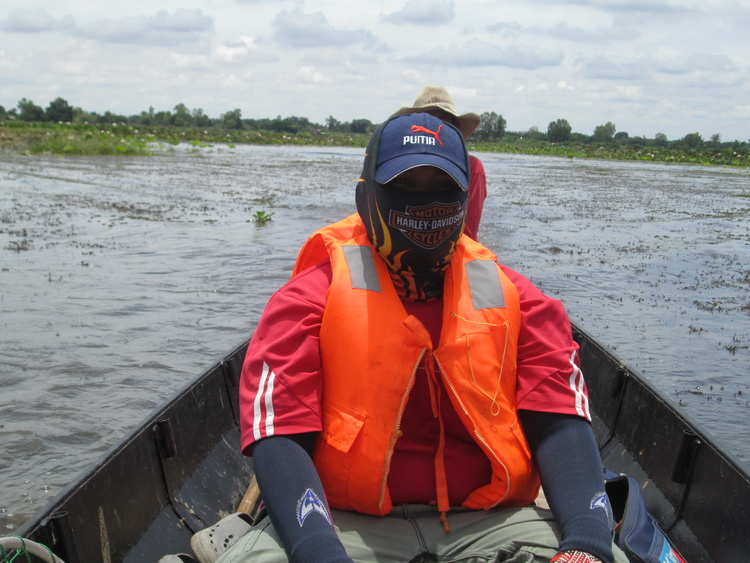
(261, 217)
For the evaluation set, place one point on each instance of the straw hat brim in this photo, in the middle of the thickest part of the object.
(466, 123)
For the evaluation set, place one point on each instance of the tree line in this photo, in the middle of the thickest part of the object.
(493, 126)
(60, 111)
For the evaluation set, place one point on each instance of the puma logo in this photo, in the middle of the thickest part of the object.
(420, 129)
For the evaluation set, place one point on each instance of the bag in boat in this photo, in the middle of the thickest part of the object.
(636, 531)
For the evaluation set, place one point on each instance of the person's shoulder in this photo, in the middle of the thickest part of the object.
(316, 276)
(317, 246)
(310, 286)
(513, 274)
(526, 288)
(475, 163)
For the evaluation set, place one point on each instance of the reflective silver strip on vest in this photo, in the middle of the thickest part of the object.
(484, 284)
(361, 264)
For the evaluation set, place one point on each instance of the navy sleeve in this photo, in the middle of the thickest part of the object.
(570, 468)
(294, 499)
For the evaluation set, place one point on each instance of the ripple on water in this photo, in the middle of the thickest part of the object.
(141, 272)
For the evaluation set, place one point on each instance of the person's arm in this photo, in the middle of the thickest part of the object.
(280, 415)
(281, 382)
(295, 500)
(570, 467)
(553, 405)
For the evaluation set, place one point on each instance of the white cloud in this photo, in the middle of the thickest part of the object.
(234, 82)
(35, 20)
(690, 62)
(236, 52)
(310, 74)
(424, 12)
(484, 54)
(640, 6)
(607, 68)
(163, 28)
(296, 28)
(505, 29)
(600, 36)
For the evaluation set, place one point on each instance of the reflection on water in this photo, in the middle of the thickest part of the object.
(122, 279)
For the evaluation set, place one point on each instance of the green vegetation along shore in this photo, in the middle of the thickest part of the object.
(31, 138)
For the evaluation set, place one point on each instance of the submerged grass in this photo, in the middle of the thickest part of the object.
(705, 156)
(121, 139)
(63, 139)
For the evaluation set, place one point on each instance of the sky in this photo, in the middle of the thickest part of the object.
(649, 66)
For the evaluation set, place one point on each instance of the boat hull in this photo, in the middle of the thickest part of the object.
(181, 471)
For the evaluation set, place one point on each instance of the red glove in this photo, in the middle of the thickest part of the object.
(574, 557)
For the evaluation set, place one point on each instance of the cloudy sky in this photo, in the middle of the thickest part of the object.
(649, 66)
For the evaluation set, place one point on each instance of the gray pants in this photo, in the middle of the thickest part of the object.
(413, 532)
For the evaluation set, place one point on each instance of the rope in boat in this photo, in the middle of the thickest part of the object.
(13, 547)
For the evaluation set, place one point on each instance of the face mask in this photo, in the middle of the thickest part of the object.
(416, 233)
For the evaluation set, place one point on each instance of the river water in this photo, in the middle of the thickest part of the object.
(123, 278)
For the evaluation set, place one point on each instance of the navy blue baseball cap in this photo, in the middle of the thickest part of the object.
(419, 139)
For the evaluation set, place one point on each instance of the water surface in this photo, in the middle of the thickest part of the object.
(121, 279)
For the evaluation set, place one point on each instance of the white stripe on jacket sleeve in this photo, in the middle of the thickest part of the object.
(264, 396)
(577, 384)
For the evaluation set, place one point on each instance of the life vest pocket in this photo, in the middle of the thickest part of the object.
(487, 347)
(333, 458)
(341, 426)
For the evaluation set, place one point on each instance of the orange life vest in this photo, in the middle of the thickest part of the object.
(317, 247)
(371, 349)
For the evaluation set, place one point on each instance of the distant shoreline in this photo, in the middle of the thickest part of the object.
(122, 139)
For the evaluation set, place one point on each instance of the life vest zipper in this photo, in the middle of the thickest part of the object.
(476, 434)
(396, 433)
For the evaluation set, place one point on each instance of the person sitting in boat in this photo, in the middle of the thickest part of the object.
(404, 395)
